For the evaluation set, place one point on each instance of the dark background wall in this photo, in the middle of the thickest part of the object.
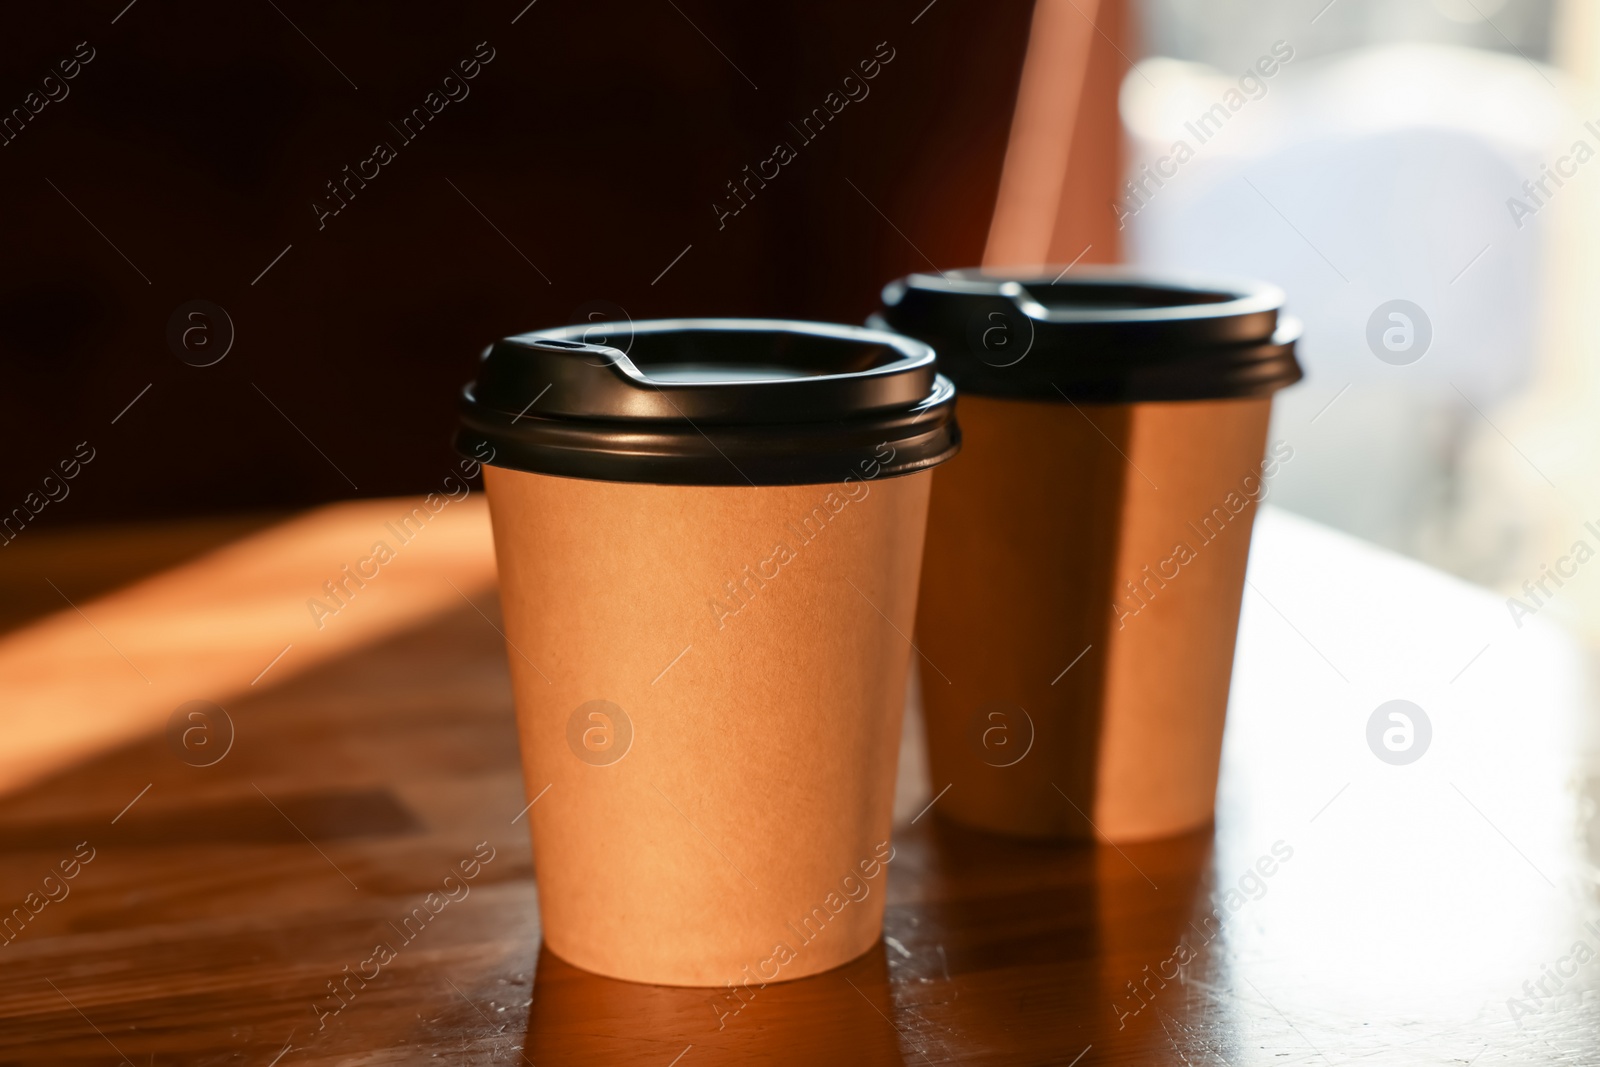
(186, 155)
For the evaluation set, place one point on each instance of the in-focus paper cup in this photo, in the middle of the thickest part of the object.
(709, 534)
(1086, 552)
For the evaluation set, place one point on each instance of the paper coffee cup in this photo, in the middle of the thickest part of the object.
(1086, 552)
(709, 534)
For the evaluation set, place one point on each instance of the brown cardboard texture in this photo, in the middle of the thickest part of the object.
(1080, 601)
(709, 684)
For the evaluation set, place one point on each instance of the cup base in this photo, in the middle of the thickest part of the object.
(693, 978)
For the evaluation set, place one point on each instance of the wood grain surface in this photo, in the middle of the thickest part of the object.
(1342, 910)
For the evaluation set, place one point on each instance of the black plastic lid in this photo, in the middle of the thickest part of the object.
(710, 402)
(1104, 335)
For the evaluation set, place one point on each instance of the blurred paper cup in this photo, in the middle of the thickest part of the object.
(1086, 552)
(709, 534)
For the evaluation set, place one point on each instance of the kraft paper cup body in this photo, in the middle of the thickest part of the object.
(709, 660)
(728, 814)
(1086, 552)
(1055, 601)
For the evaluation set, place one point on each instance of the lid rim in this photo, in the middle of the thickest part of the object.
(606, 420)
(1212, 338)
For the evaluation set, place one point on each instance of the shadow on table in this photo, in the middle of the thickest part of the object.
(840, 1016)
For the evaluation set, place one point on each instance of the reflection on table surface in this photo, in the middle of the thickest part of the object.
(1343, 909)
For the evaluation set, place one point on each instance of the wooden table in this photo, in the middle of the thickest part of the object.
(1410, 915)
